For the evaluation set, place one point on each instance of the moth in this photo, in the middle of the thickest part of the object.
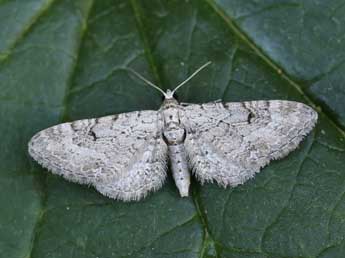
(125, 156)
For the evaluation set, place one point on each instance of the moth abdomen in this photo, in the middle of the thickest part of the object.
(179, 168)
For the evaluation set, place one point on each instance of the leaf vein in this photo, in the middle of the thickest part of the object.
(243, 36)
(5, 55)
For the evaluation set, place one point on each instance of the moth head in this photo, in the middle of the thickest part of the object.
(169, 94)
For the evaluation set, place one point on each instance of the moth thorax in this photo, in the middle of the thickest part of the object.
(169, 103)
(173, 136)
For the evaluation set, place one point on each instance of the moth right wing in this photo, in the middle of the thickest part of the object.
(123, 156)
(230, 142)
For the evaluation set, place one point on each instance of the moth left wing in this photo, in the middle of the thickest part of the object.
(230, 142)
(123, 156)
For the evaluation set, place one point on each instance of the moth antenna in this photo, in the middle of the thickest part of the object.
(147, 81)
(191, 76)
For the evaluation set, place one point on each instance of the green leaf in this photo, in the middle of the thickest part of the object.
(64, 60)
